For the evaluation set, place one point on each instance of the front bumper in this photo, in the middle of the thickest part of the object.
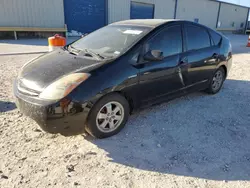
(66, 116)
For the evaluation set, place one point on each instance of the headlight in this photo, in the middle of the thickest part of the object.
(62, 87)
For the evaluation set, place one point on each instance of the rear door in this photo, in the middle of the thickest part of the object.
(201, 56)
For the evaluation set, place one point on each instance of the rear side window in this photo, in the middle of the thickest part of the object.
(169, 41)
(197, 37)
(216, 38)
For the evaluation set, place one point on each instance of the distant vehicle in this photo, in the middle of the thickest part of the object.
(97, 81)
(248, 27)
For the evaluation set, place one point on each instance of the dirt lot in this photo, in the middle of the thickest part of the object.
(195, 141)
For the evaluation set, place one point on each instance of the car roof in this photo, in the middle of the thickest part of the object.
(154, 23)
(145, 22)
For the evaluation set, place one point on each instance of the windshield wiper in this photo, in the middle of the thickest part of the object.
(77, 51)
(73, 50)
(88, 51)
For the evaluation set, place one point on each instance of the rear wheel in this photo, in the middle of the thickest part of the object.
(108, 116)
(217, 81)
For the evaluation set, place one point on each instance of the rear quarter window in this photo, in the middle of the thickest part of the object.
(216, 38)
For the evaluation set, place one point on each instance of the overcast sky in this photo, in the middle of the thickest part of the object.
(240, 2)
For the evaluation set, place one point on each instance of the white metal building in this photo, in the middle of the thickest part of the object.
(204, 11)
(31, 13)
(208, 12)
(84, 16)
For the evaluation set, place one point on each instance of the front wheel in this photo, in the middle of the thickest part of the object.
(217, 81)
(108, 116)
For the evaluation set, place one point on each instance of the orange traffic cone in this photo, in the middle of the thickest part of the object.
(248, 43)
(56, 41)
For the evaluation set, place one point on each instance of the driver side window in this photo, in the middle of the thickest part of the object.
(169, 41)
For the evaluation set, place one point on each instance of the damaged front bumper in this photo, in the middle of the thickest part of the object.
(63, 116)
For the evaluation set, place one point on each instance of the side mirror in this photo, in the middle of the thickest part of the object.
(154, 55)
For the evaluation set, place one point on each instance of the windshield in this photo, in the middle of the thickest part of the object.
(112, 40)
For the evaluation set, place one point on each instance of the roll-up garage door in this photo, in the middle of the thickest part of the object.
(141, 11)
(84, 16)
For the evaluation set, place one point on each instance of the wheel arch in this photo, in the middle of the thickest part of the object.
(225, 69)
(126, 96)
(123, 94)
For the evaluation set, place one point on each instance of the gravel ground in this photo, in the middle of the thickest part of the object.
(195, 141)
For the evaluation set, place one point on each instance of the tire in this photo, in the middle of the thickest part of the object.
(103, 121)
(212, 89)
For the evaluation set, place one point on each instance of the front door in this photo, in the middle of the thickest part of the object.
(159, 79)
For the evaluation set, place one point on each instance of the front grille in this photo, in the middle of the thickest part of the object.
(25, 90)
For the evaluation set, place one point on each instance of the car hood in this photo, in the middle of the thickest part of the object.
(42, 71)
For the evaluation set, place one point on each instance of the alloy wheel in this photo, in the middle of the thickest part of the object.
(110, 117)
(217, 80)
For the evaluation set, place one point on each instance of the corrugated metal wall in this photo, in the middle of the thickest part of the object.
(120, 9)
(230, 14)
(32, 13)
(206, 11)
(50, 13)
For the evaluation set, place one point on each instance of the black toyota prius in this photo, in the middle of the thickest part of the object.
(97, 81)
